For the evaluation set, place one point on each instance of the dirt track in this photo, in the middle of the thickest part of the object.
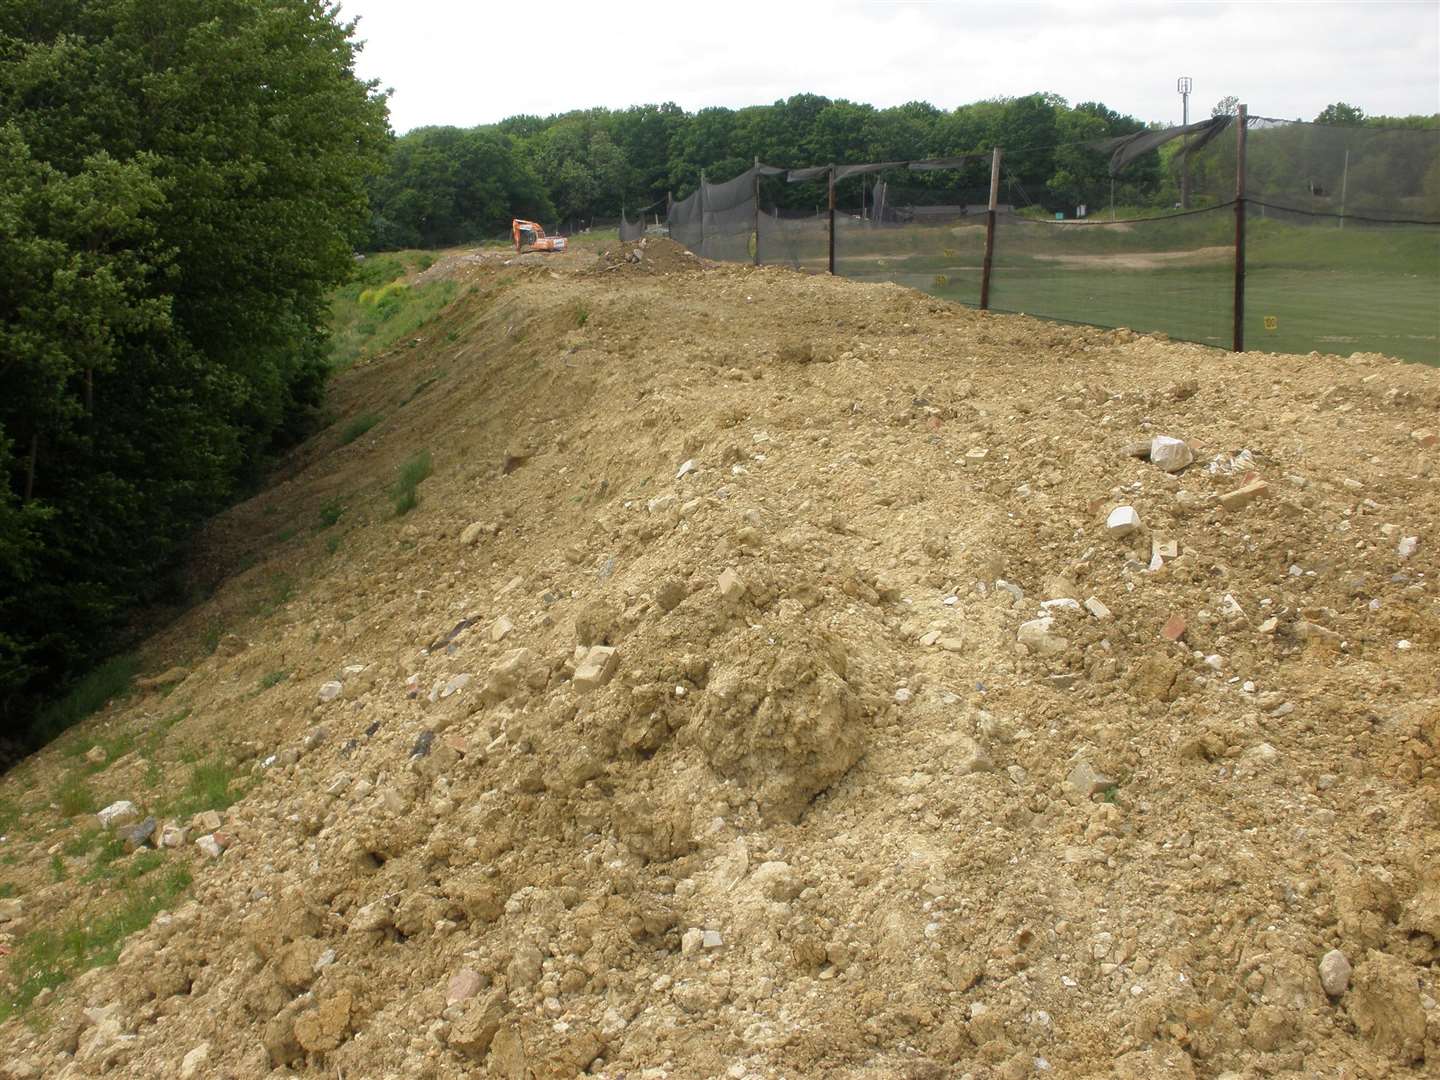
(821, 813)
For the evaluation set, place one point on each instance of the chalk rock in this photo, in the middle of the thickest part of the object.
(118, 814)
(1172, 455)
(731, 586)
(1037, 635)
(597, 668)
(193, 1064)
(331, 690)
(1123, 521)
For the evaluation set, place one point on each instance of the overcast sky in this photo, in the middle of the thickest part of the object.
(469, 62)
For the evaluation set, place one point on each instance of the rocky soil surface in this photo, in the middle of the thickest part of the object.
(782, 677)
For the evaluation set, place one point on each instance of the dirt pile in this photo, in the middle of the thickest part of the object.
(758, 690)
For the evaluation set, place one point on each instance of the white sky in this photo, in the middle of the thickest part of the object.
(468, 62)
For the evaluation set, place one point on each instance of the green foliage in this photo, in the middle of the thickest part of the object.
(47, 958)
(279, 590)
(73, 795)
(88, 694)
(209, 787)
(445, 185)
(405, 495)
(373, 327)
(357, 427)
(180, 185)
(331, 513)
(273, 678)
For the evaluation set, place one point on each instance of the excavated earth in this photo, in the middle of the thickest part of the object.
(703, 719)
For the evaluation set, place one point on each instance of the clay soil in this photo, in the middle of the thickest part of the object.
(820, 813)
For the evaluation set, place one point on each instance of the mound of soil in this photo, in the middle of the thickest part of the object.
(767, 686)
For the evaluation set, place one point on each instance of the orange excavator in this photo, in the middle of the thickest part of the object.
(529, 234)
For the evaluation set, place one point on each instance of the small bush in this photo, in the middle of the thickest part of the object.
(330, 513)
(412, 473)
(74, 796)
(357, 427)
(274, 678)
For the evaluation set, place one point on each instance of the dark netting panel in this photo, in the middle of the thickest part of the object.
(729, 219)
(798, 239)
(631, 231)
(684, 219)
(929, 236)
(1171, 274)
(1343, 240)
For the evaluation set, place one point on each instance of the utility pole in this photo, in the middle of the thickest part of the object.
(1183, 86)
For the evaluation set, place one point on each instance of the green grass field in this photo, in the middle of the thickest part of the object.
(1308, 288)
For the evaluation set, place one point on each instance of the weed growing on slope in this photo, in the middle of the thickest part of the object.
(330, 514)
(47, 958)
(74, 796)
(273, 678)
(209, 788)
(112, 679)
(357, 427)
(416, 469)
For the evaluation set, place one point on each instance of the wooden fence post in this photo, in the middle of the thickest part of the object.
(1239, 327)
(990, 215)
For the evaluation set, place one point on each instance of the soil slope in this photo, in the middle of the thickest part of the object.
(757, 690)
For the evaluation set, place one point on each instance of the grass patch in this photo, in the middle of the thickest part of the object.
(73, 796)
(57, 868)
(209, 788)
(83, 843)
(377, 309)
(330, 514)
(274, 678)
(420, 388)
(111, 848)
(161, 728)
(357, 427)
(405, 495)
(279, 591)
(87, 695)
(47, 958)
(332, 544)
(582, 315)
(9, 816)
(8, 889)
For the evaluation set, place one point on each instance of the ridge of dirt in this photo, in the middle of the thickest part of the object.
(757, 691)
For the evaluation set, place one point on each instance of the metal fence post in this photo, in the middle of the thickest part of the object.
(990, 214)
(755, 194)
(832, 219)
(1239, 327)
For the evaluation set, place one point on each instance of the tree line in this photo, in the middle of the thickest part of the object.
(447, 185)
(181, 184)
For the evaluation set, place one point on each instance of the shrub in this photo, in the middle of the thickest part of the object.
(415, 470)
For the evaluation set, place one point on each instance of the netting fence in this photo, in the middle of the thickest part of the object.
(1236, 232)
